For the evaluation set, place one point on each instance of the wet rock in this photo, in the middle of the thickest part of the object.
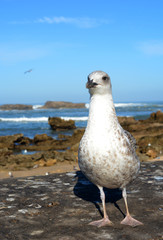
(59, 124)
(46, 163)
(16, 107)
(5, 151)
(42, 138)
(8, 141)
(127, 120)
(61, 104)
(60, 206)
(158, 116)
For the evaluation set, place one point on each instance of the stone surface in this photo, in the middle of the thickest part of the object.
(59, 124)
(18, 152)
(60, 206)
(16, 107)
(158, 116)
(61, 104)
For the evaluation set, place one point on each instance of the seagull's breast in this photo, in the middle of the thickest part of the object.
(105, 154)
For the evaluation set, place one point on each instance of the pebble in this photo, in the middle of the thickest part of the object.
(37, 232)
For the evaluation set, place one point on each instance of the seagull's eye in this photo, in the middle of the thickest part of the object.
(104, 78)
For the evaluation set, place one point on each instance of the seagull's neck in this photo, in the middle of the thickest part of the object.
(101, 112)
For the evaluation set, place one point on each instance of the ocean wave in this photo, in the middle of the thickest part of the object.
(138, 105)
(75, 118)
(124, 104)
(25, 119)
(40, 119)
(129, 104)
(36, 106)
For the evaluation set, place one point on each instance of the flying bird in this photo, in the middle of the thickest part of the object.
(106, 151)
(28, 71)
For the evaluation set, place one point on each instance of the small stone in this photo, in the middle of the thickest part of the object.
(37, 232)
(151, 153)
(23, 211)
(10, 174)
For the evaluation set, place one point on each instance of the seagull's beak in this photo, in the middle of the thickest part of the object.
(91, 84)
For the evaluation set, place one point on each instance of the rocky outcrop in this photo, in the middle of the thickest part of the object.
(8, 141)
(59, 124)
(16, 107)
(60, 104)
(158, 117)
(44, 150)
(18, 152)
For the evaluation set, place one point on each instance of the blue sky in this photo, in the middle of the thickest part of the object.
(63, 41)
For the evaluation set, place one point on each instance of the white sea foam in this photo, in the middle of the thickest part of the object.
(37, 106)
(40, 119)
(75, 118)
(25, 119)
(123, 104)
(129, 104)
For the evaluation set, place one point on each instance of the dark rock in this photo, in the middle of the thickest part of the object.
(127, 120)
(60, 207)
(16, 107)
(158, 116)
(42, 138)
(59, 124)
(5, 152)
(8, 141)
(54, 104)
(46, 148)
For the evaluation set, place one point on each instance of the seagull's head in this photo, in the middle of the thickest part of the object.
(98, 82)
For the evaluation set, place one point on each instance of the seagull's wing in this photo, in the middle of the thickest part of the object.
(131, 139)
(28, 71)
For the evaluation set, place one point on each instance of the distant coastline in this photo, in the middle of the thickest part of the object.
(71, 105)
(47, 105)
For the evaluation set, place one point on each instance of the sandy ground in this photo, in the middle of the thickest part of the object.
(60, 167)
(57, 168)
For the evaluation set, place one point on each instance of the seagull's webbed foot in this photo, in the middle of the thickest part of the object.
(128, 220)
(102, 222)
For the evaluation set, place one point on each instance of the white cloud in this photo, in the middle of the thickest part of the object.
(83, 22)
(152, 48)
(79, 22)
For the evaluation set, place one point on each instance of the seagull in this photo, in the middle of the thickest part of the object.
(106, 152)
(28, 71)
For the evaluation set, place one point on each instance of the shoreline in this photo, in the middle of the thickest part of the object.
(59, 167)
(61, 155)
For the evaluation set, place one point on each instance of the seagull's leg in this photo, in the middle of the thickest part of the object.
(105, 220)
(128, 220)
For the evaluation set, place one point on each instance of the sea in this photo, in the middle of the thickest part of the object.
(35, 121)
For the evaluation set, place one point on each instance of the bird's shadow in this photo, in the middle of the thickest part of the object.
(89, 192)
